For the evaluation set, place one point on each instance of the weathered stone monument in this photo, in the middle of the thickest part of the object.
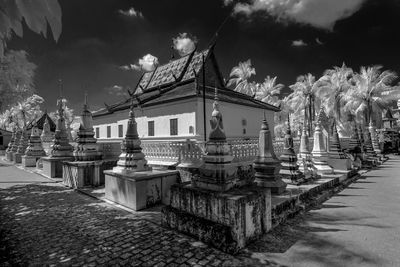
(337, 159)
(304, 156)
(61, 150)
(354, 148)
(267, 165)
(10, 145)
(34, 151)
(15, 145)
(132, 182)
(214, 207)
(23, 144)
(88, 167)
(319, 153)
(374, 139)
(47, 137)
(367, 161)
(289, 168)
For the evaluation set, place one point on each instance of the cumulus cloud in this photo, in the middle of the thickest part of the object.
(299, 43)
(321, 14)
(131, 13)
(147, 63)
(184, 44)
(117, 90)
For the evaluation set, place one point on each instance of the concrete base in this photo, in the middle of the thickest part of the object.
(141, 189)
(340, 164)
(17, 158)
(78, 174)
(226, 220)
(29, 161)
(277, 186)
(52, 166)
(10, 156)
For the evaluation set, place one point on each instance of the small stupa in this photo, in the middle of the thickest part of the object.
(10, 145)
(131, 159)
(319, 153)
(335, 149)
(337, 159)
(361, 138)
(23, 144)
(374, 138)
(304, 156)
(46, 135)
(289, 168)
(35, 150)
(15, 145)
(217, 172)
(86, 148)
(61, 146)
(266, 164)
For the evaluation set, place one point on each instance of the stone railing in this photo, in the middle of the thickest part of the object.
(191, 151)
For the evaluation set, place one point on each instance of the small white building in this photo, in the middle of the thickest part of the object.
(171, 103)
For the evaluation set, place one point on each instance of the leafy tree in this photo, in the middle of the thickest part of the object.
(37, 14)
(304, 96)
(240, 76)
(268, 91)
(16, 78)
(371, 92)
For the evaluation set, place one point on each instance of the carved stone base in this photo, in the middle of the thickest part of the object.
(340, 164)
(52, 166)
(29, 161)
(226, 220)
(140, 190)
(78, 174)
(9, 156)
(321, 166)
(17, 157)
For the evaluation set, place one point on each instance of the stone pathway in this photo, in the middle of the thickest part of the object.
(48, 224)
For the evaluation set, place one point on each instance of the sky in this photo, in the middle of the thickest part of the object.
(105, 45)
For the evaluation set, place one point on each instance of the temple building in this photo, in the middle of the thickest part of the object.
(174, 102)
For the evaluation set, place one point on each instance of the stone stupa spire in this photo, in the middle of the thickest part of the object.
(132, 158)
(304, 156)
(289, 167)
(319, 153)
(86, 148)
(335, 149)
(61, 146)
(35, 148)
(374, 137)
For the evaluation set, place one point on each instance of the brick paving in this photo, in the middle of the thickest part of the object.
(48, 224)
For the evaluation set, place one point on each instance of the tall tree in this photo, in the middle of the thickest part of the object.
(304, 97)
(16, 78)
(372, 91)
(269, 90)
(37, 14)
(332, 87)
(239, 77)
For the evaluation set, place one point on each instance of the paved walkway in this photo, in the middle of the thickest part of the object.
(44, 223)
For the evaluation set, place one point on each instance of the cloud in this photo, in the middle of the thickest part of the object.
(131, 13)
(147, 63)
(321, 14)
(117, 90)
(299, 43)
(184, 44)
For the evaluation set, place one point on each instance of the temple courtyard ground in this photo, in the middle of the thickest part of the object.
(45, 223)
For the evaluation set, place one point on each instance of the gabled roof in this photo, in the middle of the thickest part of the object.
(40, 123)
(177, 80)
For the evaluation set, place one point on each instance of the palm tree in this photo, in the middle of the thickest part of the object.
(304, 97)
(240, 76)
(332, 87)
(268, 91)
(372, 91)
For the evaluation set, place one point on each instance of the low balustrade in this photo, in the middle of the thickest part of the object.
(191, 151)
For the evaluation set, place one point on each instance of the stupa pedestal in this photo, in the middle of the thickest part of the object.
(61, 150)
(15, 145)
(289, 168)
(319, 154)
(9, 156)
(132, 182)
(88, 167)
(337, 159)
(217, 208)
(34, 151)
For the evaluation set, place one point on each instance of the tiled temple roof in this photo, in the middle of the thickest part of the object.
(40, 123)
(176, 80)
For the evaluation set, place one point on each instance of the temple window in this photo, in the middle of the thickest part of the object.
(120, 130)
(173, 126)
(150, 125)
(108, 131)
